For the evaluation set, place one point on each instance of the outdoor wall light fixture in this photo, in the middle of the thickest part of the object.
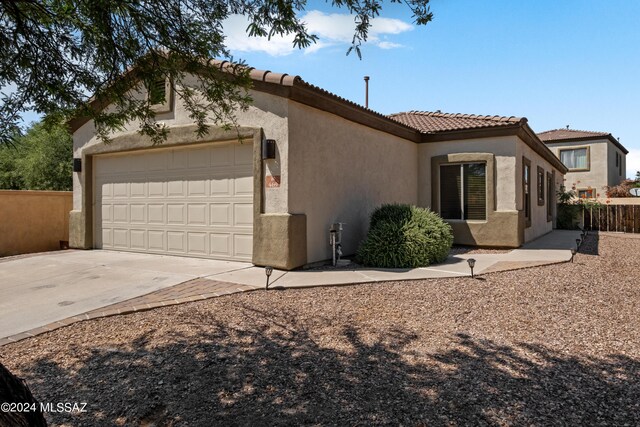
(268, 149)
(573, 253)
(472, 263)
(268, 270)
(77, 164)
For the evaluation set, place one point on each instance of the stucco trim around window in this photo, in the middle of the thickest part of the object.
(588, 168)
(487, 158)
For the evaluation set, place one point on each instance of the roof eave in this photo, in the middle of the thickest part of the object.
(608, 137)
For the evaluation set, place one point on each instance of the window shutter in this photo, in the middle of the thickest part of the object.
(475, 191)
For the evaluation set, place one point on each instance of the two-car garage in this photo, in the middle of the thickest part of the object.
(192, 201)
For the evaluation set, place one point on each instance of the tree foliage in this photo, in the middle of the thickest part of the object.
(57, 53)
(42, 159)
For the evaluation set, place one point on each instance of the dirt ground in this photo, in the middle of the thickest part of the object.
(554, 345)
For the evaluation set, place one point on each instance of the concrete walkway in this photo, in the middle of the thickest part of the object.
(43, 292)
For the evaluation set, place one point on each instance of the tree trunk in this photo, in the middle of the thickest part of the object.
(15, 390)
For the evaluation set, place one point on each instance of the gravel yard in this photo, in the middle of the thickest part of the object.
(558, 344)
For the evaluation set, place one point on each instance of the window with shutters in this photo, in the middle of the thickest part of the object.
(463, 191)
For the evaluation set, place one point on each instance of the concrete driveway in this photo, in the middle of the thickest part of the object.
(45, 288)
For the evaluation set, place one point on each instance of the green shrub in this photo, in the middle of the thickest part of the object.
(405, 236)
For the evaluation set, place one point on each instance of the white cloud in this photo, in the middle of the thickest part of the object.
(331, 29)
(389, 45)
(633, 163)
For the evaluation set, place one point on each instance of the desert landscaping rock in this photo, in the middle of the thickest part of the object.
(550, 345)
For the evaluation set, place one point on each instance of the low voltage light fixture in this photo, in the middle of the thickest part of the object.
(267, 271)
(472, 263)
(573, 253)
(268, 149)
(578, 241)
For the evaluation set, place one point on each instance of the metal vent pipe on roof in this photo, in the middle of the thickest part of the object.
(366, 91)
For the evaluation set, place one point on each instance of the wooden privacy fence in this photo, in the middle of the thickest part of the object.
(621, 218)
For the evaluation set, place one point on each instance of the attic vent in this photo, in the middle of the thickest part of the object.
(158, 92)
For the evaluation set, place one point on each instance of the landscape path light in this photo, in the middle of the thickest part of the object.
(472, 263)
(268, 270)
(573, 253)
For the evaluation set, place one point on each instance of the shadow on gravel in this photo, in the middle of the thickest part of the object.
(274, 373)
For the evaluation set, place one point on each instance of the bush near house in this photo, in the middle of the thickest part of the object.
(622, 189)
(405, 236)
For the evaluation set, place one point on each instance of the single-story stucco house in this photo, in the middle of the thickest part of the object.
(218, 197)
(595, 160)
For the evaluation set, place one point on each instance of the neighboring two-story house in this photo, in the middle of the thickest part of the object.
(595, 159)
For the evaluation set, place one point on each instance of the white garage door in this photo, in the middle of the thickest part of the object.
(195, 201)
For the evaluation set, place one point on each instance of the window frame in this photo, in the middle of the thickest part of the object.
(462, 182)
(550, 194)
(526, 191)
(540, 185)
(586, 190)
(588, 148)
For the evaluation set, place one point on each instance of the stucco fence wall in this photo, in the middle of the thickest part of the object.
(33, 221)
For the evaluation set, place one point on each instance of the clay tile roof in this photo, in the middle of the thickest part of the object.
(551, 135)
(432, 122)
(564, 135)
(259, 75)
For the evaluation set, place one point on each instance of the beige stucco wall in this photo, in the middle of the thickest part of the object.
(501, 228)
(339, 171)
(539, 224)
(614, 177)
(33, 221)
(600, 164)
(268, 112)
(504, 151)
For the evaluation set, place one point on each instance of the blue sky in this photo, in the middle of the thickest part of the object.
(557, 63)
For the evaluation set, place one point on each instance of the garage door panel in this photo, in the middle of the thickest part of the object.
(120, 213)
(220, 214)
(221, 156)
(197, 214)
(243, 245)
(156, 239)
(138, 190)
(220, 244)
(243, 215)
(243, 185)
(197, 243)
(197, 187)
(138, 213)
(120, 238)
(199, 158)
(176, 188)
(156, 189)
(219, 186)
(243, 154)
(120, 190)
(156, 213)
(176, 241)
(138, 239)
(194, 202)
